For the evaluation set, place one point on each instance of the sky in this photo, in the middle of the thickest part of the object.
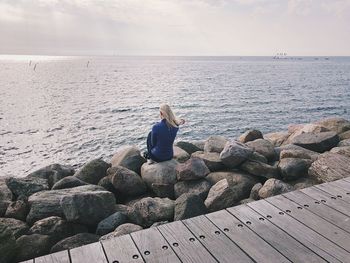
(175, 27)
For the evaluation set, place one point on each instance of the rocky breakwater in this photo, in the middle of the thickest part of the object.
(58, 208)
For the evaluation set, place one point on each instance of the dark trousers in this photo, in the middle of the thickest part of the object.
(149, 148)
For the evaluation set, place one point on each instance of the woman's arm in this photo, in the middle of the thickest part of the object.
(153, 137)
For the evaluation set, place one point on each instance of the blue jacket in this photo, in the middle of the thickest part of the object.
(162, 140)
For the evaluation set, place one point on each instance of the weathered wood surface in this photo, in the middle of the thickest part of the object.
(58, 257)
(92, 253)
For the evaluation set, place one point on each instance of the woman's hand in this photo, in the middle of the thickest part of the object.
(182, 121)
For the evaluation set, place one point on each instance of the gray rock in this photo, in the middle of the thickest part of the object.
(303, 182)
(211, 159)
(215, 144)
(255, 156)
(187, 206)
(110, 223)
(264, 147)
(93, 171)
(18, 210)
(126, 181)
(220, 196)
(341, 150)
(299, 129)
(295, 151)
(122, 230)
(17, 227)
(274, 187)
(8, 247)
(294, 168)
(319, 142)
(234, 154)
(159, 223)
(180, 155)
(68, 182)
(344, 135)
(344, 143)
(88, 208)
(260, 169)
(246, 201)
(128, 157)
(277, 138)
(149, 210)
(294, 154)
(105, 182)
(5, 197)
(336, 124)
(197, 187)
(254, 193)
(163, 190)
(121, 208)
(250, 135)
(193, 169)
(26, 186)
(32, 246)
(188, 147)
(77, 240)
(53, 173)
(199, 143)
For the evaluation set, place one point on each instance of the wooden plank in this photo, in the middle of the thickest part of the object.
(246, 239)
(59, 257)
(91, 253)
(344, 187)
(28, 261)
(215, 241)
(153, 247)
(121, 249)
(334, 190)
(317, 243)
(331, 201)
(323, 227)
(319, 208)
(276, 237)
(185, 245)
(346, 179)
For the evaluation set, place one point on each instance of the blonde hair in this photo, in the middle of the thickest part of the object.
(168, 115)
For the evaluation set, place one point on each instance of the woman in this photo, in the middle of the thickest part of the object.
(160, 140)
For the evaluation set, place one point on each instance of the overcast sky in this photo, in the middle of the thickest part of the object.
(175, 27)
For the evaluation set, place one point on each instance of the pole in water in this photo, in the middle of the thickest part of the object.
(87, 64)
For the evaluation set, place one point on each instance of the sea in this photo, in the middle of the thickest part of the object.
(70, 110)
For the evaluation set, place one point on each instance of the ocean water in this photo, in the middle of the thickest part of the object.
(73, 109)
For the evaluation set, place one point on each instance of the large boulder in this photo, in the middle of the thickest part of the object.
(180, 155)
(126, 181)
(188, 147)
(17, 227)
(48, 203)
(199, 143)
(344, 135)
(197, 187)
(57, 228)
(341, 150)
(220, 196)
(274, 187)
(8, 247)
(264, 147)
(77, 240)
(336, 124)
(187, 206)
(149, 210)
(277, 138)
(250, 135)
(344, 143)
(110, 223)
(211, 159)
(27, 186)
(294, 168)
(319, 142)
(18, 209)
(254, 193)
(303, 182)
(296, 130)
(88, 208)
(234, 154)
(68, 182)
(215, 144)
(193, 169)
(122, 230)
(53, 173)
(260, 169)
(93, 171)
(295, 151)
(330, 167)
(5, 197)
(128, 157)
(32, 246)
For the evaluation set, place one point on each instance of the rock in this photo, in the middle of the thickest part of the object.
(264, 147)
(180, 155)
(295, 151)
(341, 150)
(277, 138)
(32, 246)
(220, 196)
(110, 223)
(163, 190)
(193, 169)
(254, 193)
(126, 181)
(335, 124)
(122, 230)
(260, 169)
(274, 187)
(187, 206)
(132, 200)
(344, 135)
(105, 182)
(159, 223)
(17, 227)
(197, 187)
(8, 247)
(211, 159)
(18, 210)
(53, 173)
(47, 203)
(26, 186)
(234, 154)
(68, 182)
(246, 201)
(295, 154)
(188, 147)
(344, 143)
(329, 167)
(88, 208)
(255, 156)
(250, 135)
(294, 168)
(128, 157)
(57, 228)
(304, 128)
(121, 208)
(5, 197)
(93, 171)
(149, 210)
(319, 142)
(215, 144)
(77, 240)
(303, 183)
(199, 143)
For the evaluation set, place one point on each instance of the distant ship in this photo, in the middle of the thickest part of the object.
(282, 55)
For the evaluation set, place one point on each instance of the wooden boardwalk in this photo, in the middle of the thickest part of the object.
(308, 225)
